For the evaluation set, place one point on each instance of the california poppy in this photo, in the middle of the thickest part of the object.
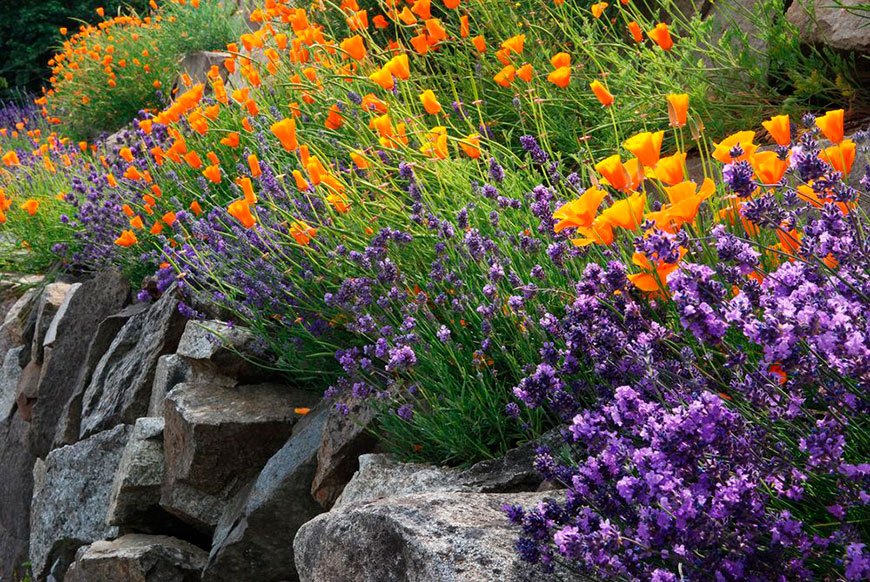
(601, 93)
(626, 213)
(614, 172)
(561, 77)
(471, 146)
(661, 36)
(241, 211)
(430, 102)
(303, 233)
(579, 212)
(285, 131)
(646, 146)
(636, 32)
(779, 129)
(354, 47)
(678, 109)
(213, 174)
(723, 149)
(30, 206)
(526, 72)
(831, 124)
(127, 238)
(670, 169)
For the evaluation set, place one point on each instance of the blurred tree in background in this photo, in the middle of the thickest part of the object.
(30, 34)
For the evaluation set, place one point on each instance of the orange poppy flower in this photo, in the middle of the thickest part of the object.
(254, 166)
(127, 239)
(169, 218)
(195, 208)
(526, 72)
(136, 222)
(840, 156)
(354, 47)
(407, 17)
(678, 109)
(302, 232)
(301, 182)
(422, 8)
(380, 22)
(430, 102)
(479, 43)
(339, 202)
(626, 213)
(11, 159)
(601, 93)
(779, 129)
(126, 154)
(334, 119)
(579, 212)
(506, 76)
(652, 278)
(471, 146)
(670, 169)
(646, 146)
(831, 124)
(741, 138)
(769, 168)
(384, 78)
(285, 131)
(359, 161)
(464, 27)
(30, 206)
(600, 232)
(241, 211)
(515, 43)
(598, 9)
(661, 36)
(156, 228)
(561, 77)
(231, 140)
(614, 172)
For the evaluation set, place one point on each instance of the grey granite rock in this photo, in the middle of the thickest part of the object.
(138, 558)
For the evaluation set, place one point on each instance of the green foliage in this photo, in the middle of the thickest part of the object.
(30, 34)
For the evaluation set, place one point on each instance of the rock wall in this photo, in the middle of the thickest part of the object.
(135, 445)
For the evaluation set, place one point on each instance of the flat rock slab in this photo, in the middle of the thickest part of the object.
(220, 349)
(823, 22)
(216, 439)
(71, 499)
(48, 305)
(253, 531)
(432, 537)
(138, 558)
(120, 389)
(85, 308)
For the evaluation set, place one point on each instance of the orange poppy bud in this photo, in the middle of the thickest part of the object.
(195, 208)
(479, 43)
(464, 29)
(678, 109)
(601, 93)
(301, 182)
(661, 36)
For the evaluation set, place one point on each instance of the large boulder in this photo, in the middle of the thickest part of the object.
(838, 25)
(138, 558)
(345, 438)
(71, 499)
(216, 439)
(76, 324)
(69, 424)
(448, 537)
(10, 374)
(120, 388)
(253, 531)
(16, 490)
(17, 327)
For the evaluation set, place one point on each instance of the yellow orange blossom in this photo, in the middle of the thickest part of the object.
(652, 278)
(646, 146)
(661, 36)
(601, 93)
(303, 233)
(580, 212)
(779, 128)
(831, 124)
(626, 213)
(127, 239)
(430, 102)
(614, 172)
(741, 138)
(840, 156)
(241, 211)
(30, 206)
(678, 109)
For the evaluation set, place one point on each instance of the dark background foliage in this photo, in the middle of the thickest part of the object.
(29, 35)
